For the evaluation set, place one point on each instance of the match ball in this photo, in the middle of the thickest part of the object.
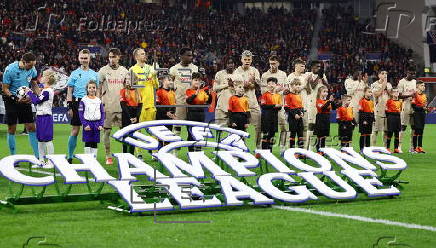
(21, 92)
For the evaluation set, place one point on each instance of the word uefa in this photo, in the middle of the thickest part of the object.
(232, 150)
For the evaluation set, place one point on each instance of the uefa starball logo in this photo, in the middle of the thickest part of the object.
(224, 173)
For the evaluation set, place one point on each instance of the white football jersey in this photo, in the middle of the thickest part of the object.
(44, 108)
(92, 108)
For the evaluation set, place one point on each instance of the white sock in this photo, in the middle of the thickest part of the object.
(88, 150)
(41, 149)
(50, 147)
(94, 151)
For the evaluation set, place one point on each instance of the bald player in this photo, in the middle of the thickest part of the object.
(251, 79)
(145, 76)
(182, 74)
(315, 79)
(280, 75)
(112, 77)
(299, 73)
(76, 90)
(223, 86)
(380, 90)
(355, 86)
(407, 89)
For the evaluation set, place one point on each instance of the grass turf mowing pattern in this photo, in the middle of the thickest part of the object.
(88, 224)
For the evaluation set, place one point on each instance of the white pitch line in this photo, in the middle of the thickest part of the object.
(358, 218)
(38, 171)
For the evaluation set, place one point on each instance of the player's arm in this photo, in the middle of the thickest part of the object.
(378, 90)
(6, 83)
(70, 93)
(70, 87)
(81, 114)
(190, 97)
(339, 116)
(6, 91)
(326, 105)
(350, 88)
(209, 97)
(37, 99)
(34, 82)
(219, 85)
(101, 79)
(415, 106)
(123, 102)
(253, 80)
(34, 86)
(263, 84)
(102, 116)
(402, 90)
(325, 82)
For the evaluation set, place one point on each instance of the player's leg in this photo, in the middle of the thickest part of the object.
(284, 131)
(106, 136)
(255, 120)
(396, 141)
(300, 137)
(107, 145)
(388, 139)
(180, 111)
(368, 140)
(75, 129)
(405, 116)
(292, 139)
(419, 141)
(31, 130)
(41, 151)
(147, 114)
(72, 142)
(311, 119)
(11, 119)
(414, 139)
(271, 136)
(10, 138)
(87, 148)
(94, 149)
(375, 131)
(305, 126)
(25, 116)
(220, 118)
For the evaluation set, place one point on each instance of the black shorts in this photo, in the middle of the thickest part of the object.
(393, 122)
(322, 125)
(17, 113)
(345, 130)
(369, 119)
(75, 120)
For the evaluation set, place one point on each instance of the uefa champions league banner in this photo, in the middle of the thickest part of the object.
(305, 181)
(60, 115)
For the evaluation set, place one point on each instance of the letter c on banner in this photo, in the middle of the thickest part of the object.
(10, 172)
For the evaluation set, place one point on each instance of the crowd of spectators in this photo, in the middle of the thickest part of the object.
(55, 30)
(214, 35)
(353, 46)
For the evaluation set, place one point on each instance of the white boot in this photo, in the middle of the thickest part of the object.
(48, 165)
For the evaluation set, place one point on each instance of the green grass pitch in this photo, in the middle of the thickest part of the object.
(90, 224)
